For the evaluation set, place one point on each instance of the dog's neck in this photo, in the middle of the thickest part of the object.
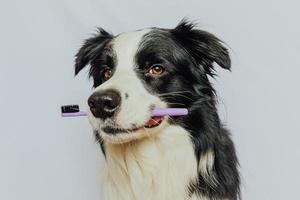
(158, 167)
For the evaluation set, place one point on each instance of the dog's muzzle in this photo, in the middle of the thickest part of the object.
(104, 104)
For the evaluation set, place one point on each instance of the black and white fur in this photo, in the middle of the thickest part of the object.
(187, 157)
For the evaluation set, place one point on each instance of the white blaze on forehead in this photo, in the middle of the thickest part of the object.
(126, 46)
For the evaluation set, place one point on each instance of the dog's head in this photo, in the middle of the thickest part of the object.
(135, 72)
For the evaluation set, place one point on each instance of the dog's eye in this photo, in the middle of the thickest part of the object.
(156, 70)
(106, 73)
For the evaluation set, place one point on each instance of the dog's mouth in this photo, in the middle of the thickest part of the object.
(152, 123)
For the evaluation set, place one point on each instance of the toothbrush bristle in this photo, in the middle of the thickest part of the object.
(69, 109)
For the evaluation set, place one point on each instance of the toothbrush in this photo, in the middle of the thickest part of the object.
(73, 111)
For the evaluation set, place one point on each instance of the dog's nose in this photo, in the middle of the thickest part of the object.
(104, 104)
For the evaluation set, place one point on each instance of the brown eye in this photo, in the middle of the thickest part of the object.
(157, 70)
(106, 73)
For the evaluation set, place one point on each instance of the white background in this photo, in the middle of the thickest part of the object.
(43, 156)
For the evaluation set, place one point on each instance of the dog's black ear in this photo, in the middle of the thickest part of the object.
(90, 49)
(204, 47)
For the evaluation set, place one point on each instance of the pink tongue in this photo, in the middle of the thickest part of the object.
(153, 121)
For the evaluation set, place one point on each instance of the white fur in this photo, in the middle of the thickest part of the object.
(205, 167)
(206, 162)
(158, 167)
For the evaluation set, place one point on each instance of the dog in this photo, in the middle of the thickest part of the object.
(159, 158)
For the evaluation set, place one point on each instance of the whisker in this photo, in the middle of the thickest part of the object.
(175, 95)
(173, 103)
(171, 119)
(176, 92)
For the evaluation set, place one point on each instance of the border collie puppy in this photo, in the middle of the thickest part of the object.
(160, 158)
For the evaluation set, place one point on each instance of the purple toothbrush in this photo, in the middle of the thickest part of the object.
(73, 111)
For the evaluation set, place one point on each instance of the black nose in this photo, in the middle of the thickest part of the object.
(104, 104)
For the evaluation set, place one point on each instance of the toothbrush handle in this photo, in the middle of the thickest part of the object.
(158, 112)
(75, 114)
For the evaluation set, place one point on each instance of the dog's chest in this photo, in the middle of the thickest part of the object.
(158, 167)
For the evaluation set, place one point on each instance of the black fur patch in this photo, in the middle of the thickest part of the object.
(187, 55)
(96, 52)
